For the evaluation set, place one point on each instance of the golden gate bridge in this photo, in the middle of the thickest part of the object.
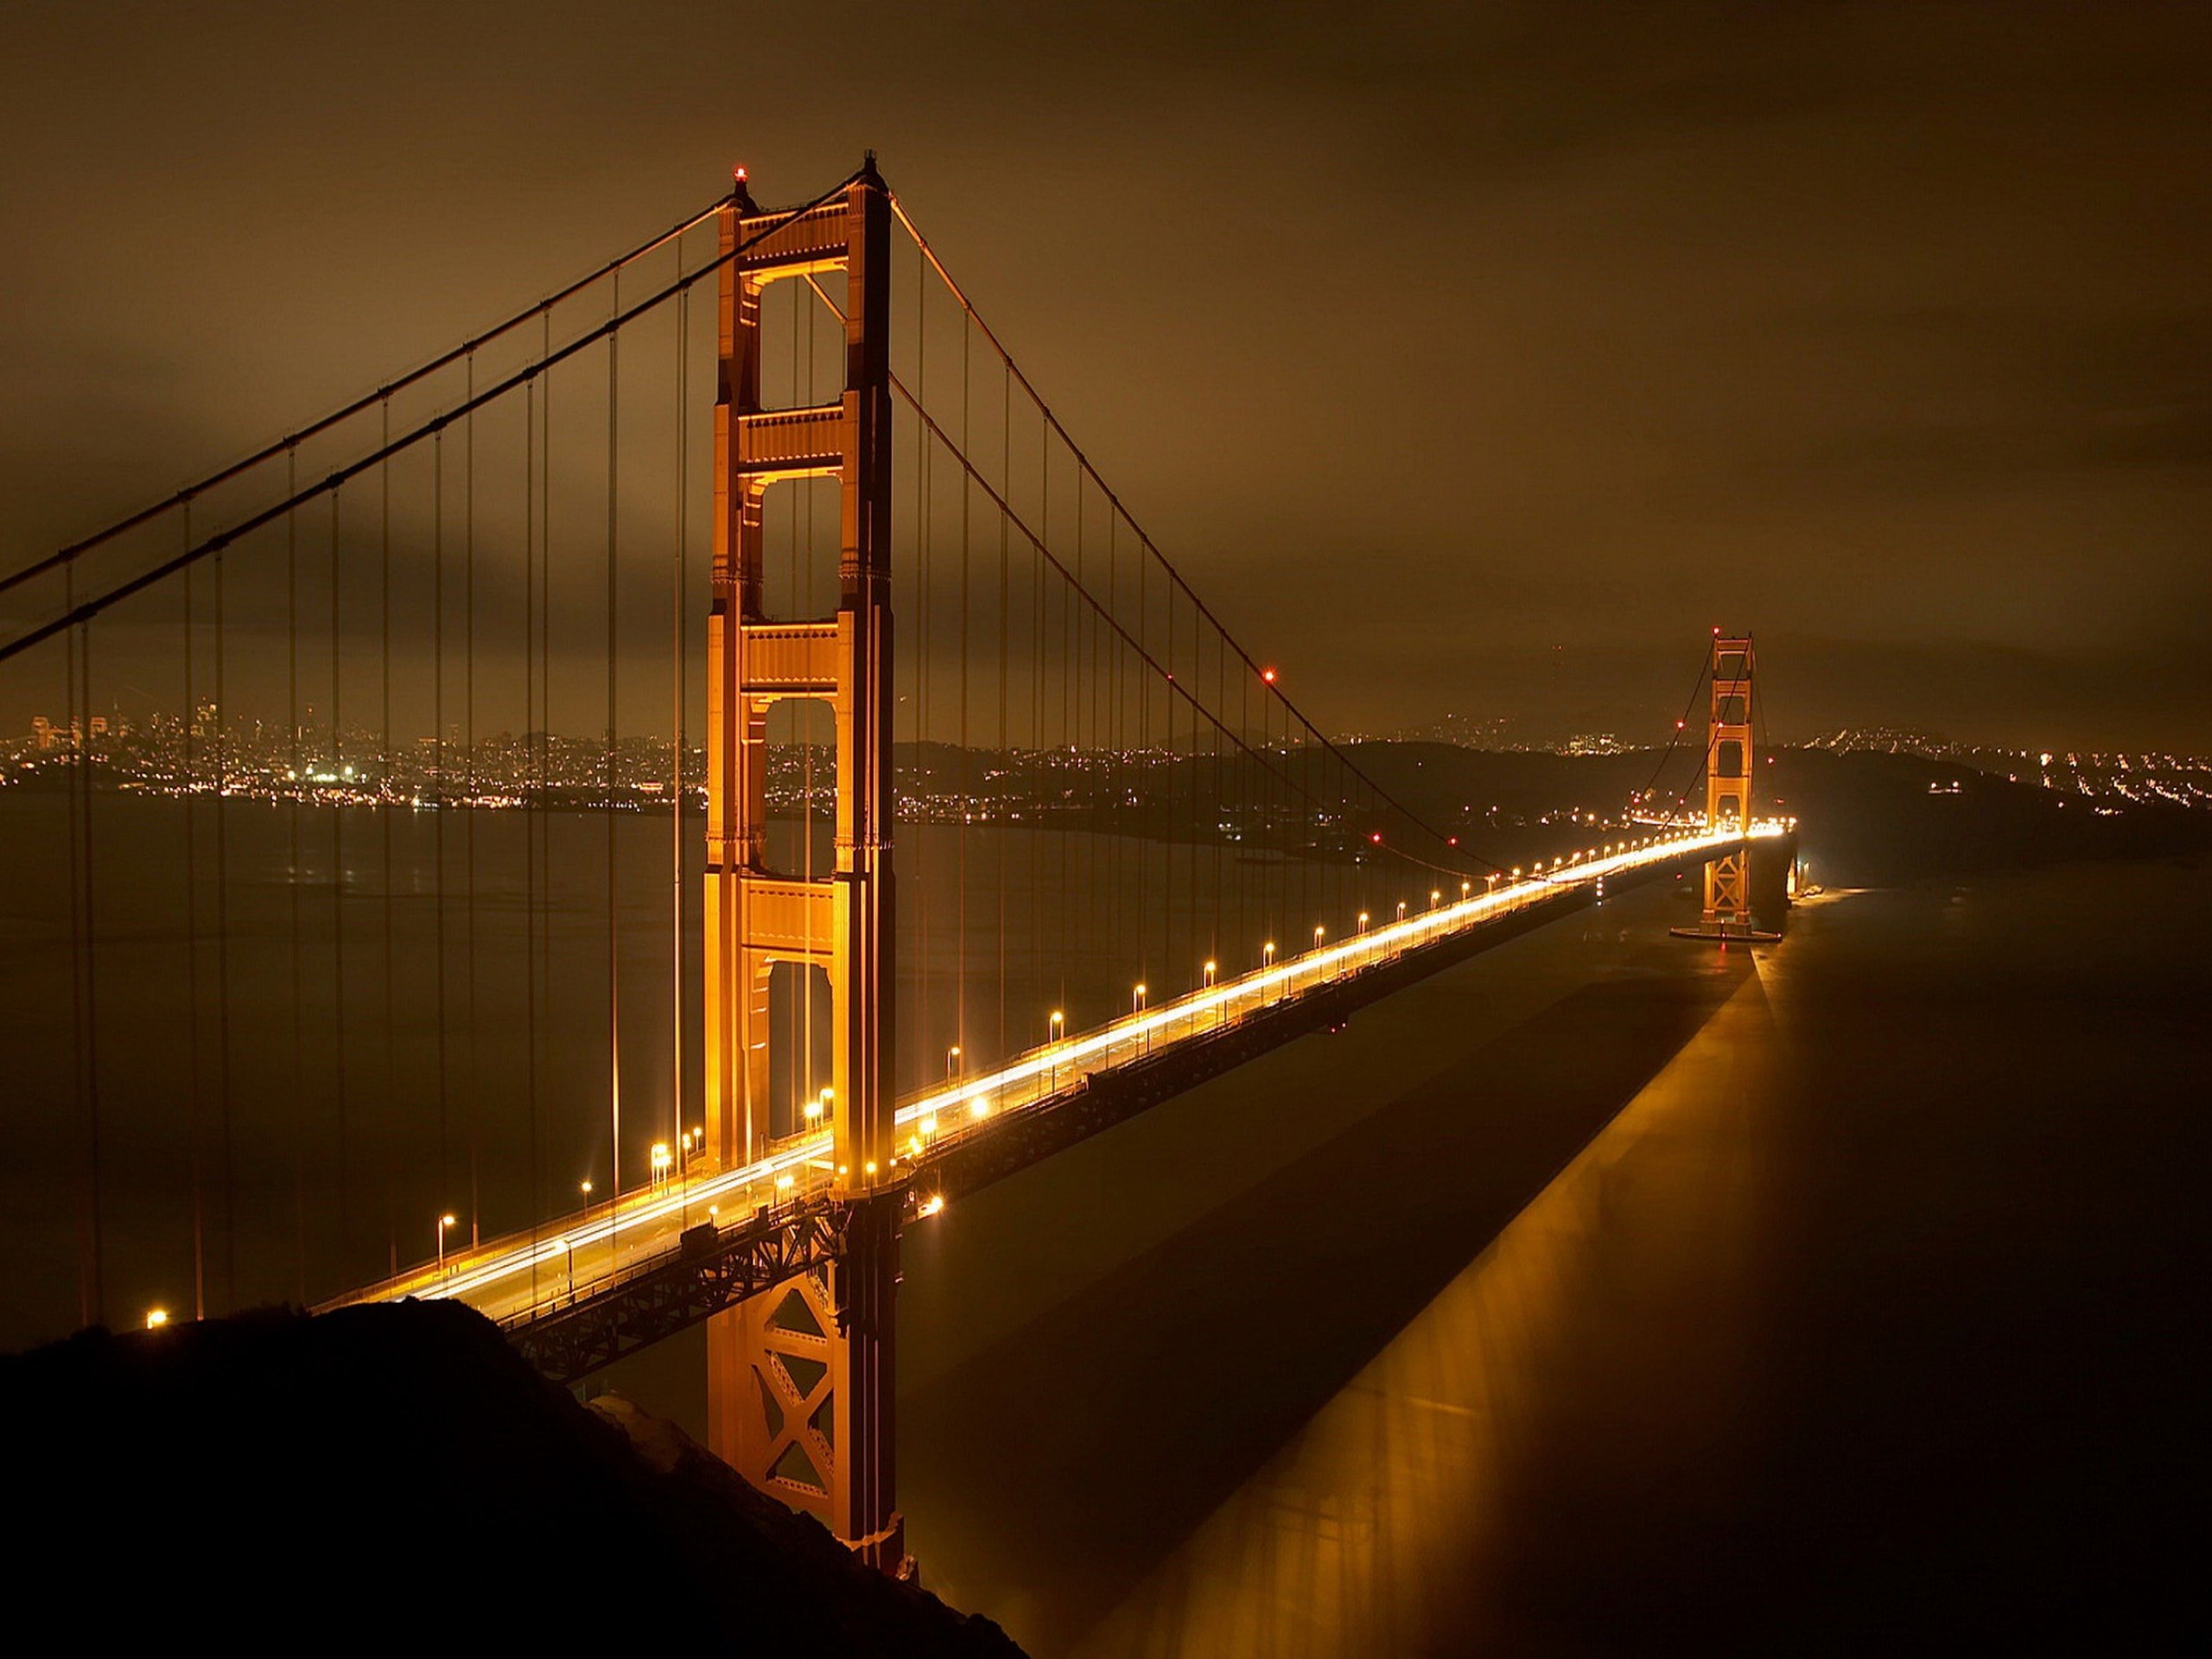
(1148, 865)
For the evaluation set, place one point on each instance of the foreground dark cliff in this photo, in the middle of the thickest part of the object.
(395, 1475)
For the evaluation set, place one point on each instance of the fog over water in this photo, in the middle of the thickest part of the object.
(1604, 1294)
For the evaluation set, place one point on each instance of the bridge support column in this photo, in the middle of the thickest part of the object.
(802, 1387)
(801, 1381)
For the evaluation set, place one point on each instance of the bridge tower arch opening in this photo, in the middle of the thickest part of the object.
(801, 1382)
(1729, 760)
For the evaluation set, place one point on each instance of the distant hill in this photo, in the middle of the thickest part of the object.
(1866, 818)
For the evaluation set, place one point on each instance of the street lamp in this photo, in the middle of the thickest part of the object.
(1268, 954)
(444, 1222)
(567, 1247)
(1318, 933)
(1435, 894)
(952, 1064)
(1401, 910)
(585, 1188)
(1053, 1027)
(661, 1159)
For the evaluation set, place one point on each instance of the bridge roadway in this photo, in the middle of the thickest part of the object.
(773, 1216)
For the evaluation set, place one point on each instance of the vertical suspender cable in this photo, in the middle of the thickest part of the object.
(607, 804)
(1219, 793)
(1116, 731)
(999, 861)
(468, 833)
(384, 827)
(299, 770)
(924, 449)
(539, 554)
(80, 730)
(534, 805)
(338, 897)
(676, 704)
(192, 953)
(967, 492)
(438, 791)
(1038, 772)
(91, 997)
(1141, 672)
(223, 954)
(1070, 736)
(77, 662)
(802, 576)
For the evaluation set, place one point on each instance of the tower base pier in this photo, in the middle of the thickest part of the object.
(802, 1387)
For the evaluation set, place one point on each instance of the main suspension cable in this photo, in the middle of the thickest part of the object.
(1045, 409)
(548, 359)
(361, 405)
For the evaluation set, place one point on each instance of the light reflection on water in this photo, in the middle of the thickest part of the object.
(1355, 1538)
(1777, 1313)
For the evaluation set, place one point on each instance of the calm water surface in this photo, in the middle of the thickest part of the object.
(1605, 1294)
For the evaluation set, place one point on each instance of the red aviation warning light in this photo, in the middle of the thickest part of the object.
(1268, 675)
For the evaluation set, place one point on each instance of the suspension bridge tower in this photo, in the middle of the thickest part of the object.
(801, 1381)
(1728, 784)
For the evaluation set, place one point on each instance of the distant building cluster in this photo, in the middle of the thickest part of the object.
(1146, 789)
(2109, 780)
(257, 760)
(1491, 736)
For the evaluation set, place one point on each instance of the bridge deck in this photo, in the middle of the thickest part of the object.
(589, 1274)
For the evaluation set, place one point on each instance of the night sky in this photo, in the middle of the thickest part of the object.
(1427, 341)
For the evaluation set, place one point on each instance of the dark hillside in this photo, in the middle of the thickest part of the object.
(394, 1476)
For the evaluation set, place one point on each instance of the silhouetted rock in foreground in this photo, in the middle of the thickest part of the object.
(397, 1475)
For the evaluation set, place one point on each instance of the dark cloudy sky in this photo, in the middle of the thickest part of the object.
(1427, 339)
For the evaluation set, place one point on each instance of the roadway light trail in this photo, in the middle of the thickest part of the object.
(499, 1278)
